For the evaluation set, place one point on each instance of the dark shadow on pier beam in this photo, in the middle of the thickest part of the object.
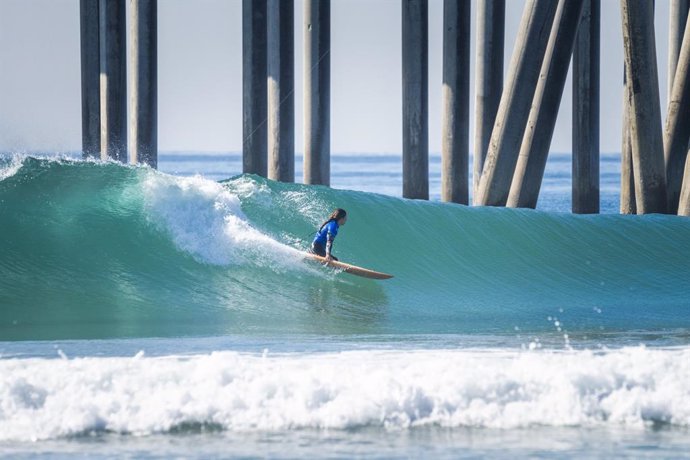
(89, 20)
(645, 116)
(585, 186)
(534, 151)
(144, 91)
(489, 79)
(317, 92)
(415, 88)
(677, 126)
(456, 101)
(113, 80)
(281, 90)
(254, 98)
(678, 15)
(516, 100)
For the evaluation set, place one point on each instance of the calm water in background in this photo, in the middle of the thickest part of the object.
(158, 315)
(382, 173)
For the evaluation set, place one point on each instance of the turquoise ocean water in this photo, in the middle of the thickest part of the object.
(169, 313)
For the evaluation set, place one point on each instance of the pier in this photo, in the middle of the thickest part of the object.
(514, 117)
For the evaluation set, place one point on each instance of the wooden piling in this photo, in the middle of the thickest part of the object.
(677, 128)
(281, 94)
(254, 97)
(90, 78)
(317, 92)
(415, 83)
(113, 81)
(489, 79)
(529, 170)
(585, 182)
(144, 91)
(645, 117)
(678, 15)
(456, 101)
(513, 111)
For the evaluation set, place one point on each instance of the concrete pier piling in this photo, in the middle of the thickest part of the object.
(516, 100)
(529, 170)
(144, 90)
(684, 202)
(254, 97)
(585, 194)
(317, 92)
(627, 200)
(645, 116)
(514, 119)
(677, 128)
(415, 87)
(489, 79)
(456, 103)
(281, 90)
(89, 19)
(113, 81)
(678, 15)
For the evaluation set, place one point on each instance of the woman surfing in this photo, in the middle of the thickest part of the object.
(323, 241)
(322, 246)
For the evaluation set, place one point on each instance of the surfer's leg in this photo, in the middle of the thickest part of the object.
(318, 249)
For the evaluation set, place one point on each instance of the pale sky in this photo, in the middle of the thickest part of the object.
(200, 75)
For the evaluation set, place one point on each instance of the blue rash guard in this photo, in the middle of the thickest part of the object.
(327, 232)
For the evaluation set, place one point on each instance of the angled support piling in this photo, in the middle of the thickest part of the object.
(678, 15)
(513, 110)
(89, 19)
(489, 79)
(281, 90)
(645, 116)
(677, 126)
(585, 187)
(254, 97)
(684, 203)
(144, 90)
(415, 87)
(113, 82)
(456, 101)
(317, 92)
(529, 170)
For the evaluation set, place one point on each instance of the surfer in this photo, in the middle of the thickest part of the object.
(323, 241)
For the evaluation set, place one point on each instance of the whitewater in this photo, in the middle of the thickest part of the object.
(170, 312)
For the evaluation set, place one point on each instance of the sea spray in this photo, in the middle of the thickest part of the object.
(205, 220)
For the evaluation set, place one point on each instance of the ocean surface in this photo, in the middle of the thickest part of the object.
(169, 314)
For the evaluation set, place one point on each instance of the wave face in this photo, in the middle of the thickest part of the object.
(94, 249)
(399, 390)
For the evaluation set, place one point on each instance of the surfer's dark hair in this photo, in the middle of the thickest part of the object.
(335, 216)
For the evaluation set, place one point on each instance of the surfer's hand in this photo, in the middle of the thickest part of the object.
(328, 257)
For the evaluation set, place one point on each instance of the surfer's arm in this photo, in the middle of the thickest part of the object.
(331, 232)
(329, 245)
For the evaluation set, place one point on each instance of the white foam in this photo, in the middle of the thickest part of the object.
(205, 220)
(246, 187)
(12, 167)
(302, 201)
(49, 398)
